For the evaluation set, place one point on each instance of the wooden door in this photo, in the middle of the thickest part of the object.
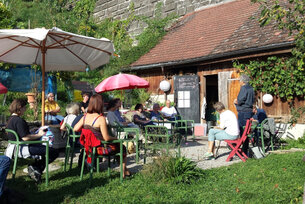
(234, 87)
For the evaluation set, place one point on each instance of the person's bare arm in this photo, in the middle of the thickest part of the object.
(63, 126)
(33, 136)
(57, 109)
(125, 123)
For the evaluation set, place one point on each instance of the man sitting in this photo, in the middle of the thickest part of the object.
(259, 114)
(169, 111)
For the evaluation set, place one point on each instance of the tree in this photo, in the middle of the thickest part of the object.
(5, 17)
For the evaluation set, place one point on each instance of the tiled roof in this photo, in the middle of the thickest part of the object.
(220, 29)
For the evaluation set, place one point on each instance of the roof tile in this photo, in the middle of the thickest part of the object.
(215, 30)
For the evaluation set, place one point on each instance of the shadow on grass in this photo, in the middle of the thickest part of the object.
(63, 186)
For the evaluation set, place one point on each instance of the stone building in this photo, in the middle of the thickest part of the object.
(119, 9)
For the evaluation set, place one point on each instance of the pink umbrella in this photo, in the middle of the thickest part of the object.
(3, 89)
(120, 82)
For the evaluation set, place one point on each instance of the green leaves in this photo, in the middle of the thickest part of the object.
(173, 169)
(5, 17)
(281, 76)
(277, 76)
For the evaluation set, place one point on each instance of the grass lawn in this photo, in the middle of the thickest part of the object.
(275, 179)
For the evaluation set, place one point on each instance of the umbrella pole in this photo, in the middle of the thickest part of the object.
(4, 99)
(122, 99)
(43, 51)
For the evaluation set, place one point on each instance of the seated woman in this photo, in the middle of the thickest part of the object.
(155, 113)
(139, 118)
(16, 123)
(114, 114)
(51, 110)
(96, 122)
(228, 129)
(72, 110)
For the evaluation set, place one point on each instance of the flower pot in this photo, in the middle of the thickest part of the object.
(31, 97)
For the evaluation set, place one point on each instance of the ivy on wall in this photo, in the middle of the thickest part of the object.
(281, 76)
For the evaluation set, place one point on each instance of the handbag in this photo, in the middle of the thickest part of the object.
(257, 152)
(48, 136)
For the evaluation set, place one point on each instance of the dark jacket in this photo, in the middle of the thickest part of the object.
(245, 99)
(260, 115)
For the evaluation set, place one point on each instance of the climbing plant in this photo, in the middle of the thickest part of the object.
(117, 31)
(282, 76)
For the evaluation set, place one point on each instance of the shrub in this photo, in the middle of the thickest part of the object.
(173, 169)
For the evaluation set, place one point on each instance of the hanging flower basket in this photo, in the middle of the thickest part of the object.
(31, 97)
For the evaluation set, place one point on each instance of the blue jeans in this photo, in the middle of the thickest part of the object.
(4, 168)
(242, 120)
(217, 134)
(54, 119)
(40, 150)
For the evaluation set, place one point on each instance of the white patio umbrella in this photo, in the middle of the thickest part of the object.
(54, 50)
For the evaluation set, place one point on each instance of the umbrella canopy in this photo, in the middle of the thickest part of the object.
(54, 50)
(121, 81)
(3, 89)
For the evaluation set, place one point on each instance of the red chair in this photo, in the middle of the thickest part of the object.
(236, 144)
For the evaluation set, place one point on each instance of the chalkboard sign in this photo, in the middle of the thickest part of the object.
(187, 82)
(187, 97)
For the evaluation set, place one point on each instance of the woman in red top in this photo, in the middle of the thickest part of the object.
(96, 122)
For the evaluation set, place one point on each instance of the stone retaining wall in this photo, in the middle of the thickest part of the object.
(118, 9)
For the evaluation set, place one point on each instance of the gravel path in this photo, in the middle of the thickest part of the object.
(193, 150)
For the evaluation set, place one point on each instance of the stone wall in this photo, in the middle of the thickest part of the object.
(118, 9)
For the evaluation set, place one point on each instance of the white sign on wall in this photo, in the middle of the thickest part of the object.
(184, 99)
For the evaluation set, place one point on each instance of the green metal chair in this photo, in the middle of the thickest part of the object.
(185, 125)
(159, 138)
(267, 135)
(17, 148)
(121, 129)
(70, 150)
(95, 157)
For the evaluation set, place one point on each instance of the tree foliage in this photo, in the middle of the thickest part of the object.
(5, 17)
(76, 16)
(283, 76)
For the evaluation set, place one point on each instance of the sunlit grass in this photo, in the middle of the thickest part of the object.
(274, 179)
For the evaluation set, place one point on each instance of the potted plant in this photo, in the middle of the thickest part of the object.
(32, 95)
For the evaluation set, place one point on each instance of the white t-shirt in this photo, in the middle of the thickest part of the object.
(169, 112)
(69, 119)
(228, 121)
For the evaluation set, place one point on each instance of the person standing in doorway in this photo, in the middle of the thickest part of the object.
(244, 106)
